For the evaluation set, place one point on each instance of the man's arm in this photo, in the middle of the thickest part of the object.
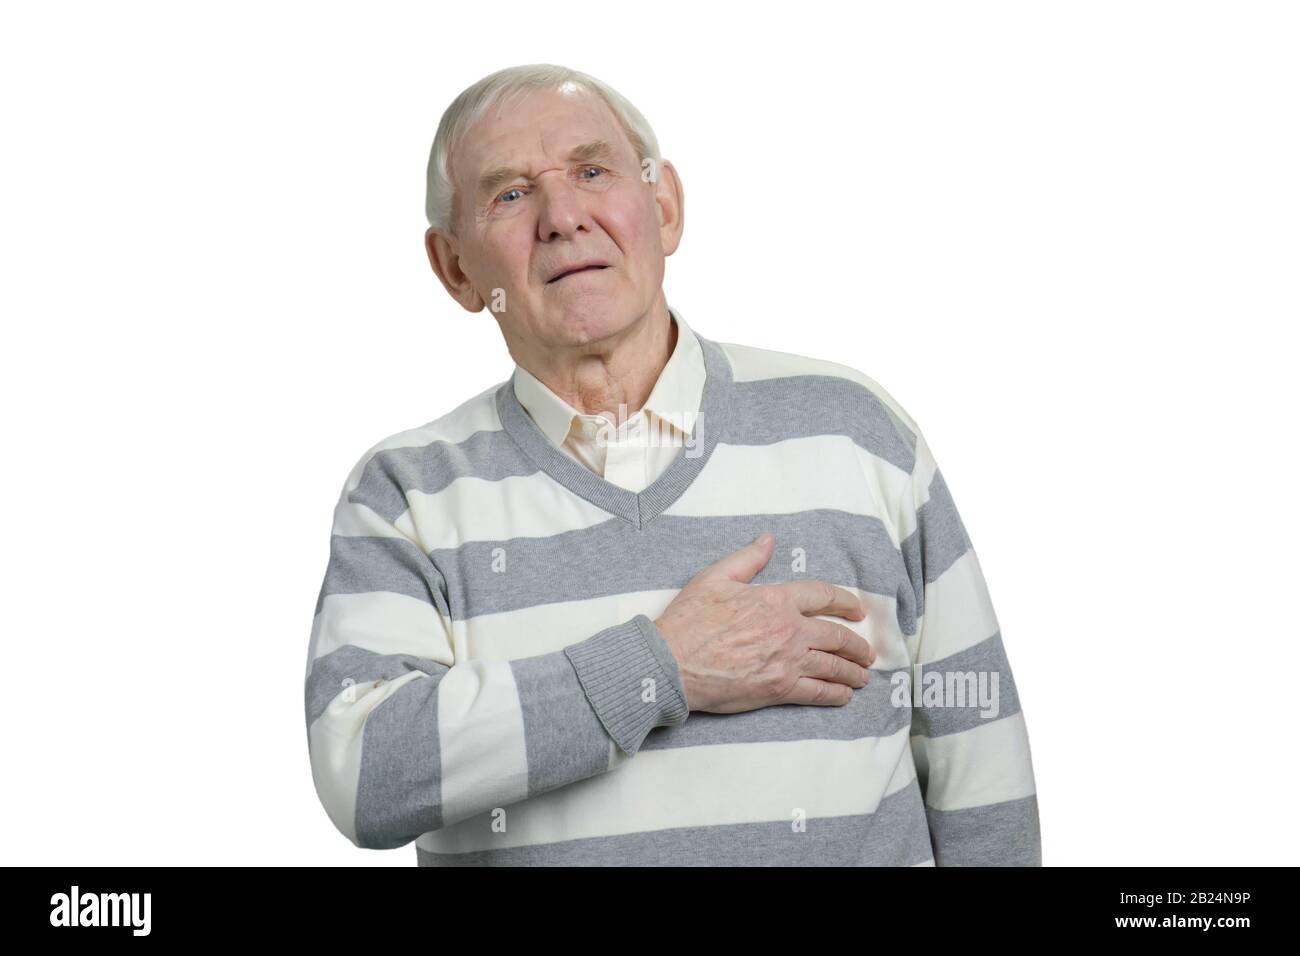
(969, 739)
(404, 739)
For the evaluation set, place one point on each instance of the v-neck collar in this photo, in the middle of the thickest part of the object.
(635, 507)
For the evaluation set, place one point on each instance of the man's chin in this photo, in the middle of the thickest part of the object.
(589, 318)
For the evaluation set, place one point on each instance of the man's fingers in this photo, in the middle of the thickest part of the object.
(742, 564)
(819, 693)
(818, 597)
(835, 638)
(836, 669)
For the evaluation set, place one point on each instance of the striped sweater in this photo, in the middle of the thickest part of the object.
(485, 678)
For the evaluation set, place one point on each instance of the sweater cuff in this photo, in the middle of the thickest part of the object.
(613, 666)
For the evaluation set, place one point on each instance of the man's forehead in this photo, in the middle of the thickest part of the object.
(555, 130)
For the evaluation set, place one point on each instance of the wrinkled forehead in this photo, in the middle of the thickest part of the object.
(536, 129)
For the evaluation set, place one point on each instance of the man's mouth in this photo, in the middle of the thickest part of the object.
(576, 269)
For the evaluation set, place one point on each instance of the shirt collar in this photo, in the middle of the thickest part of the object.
(675, 397)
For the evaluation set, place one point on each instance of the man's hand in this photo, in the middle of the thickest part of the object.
(743, 646)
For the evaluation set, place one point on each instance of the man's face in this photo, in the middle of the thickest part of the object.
(548, 185)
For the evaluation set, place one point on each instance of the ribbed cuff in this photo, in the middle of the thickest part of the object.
(612, 666)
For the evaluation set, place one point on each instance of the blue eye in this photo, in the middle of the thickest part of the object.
(507, 193)
(596, 169)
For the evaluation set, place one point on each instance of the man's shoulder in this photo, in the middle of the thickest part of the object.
(403, 450)
(752, 364)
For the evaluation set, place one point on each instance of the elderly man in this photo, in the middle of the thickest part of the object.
(741, 625)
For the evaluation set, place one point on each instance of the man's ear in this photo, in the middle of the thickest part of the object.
(444, 257)
(671, 200)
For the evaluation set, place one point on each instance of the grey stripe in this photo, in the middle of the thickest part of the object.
(562, 728)
(802, 406)
(943, 534)
(488, 454)
(600, 561)
(331, 673)
(987, 657)
(939, 540)
(999, 834)
(563, 737)
(400, 792)
(909, 436)
(358, 565)
(895, 835)
(869, 713)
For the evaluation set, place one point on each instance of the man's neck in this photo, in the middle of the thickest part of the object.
(598, 379)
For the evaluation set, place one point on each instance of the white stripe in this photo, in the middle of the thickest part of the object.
(789, 476)
(480, 738)
(381, 621)
(958, 610)
(701, 786)
(754, 364)
(334, 742)
(983, 765)
(355, 520)
(472, 415)
(521, 506)
(544, 628)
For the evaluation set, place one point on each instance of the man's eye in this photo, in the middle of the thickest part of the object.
(502, 197)
(591, 169)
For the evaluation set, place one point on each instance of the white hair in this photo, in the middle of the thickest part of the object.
(499, 88)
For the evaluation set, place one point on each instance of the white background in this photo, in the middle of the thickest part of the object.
(1064, 235)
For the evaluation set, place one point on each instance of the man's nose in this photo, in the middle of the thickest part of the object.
(562, 213)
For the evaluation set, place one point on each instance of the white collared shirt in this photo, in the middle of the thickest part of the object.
(651, 440)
